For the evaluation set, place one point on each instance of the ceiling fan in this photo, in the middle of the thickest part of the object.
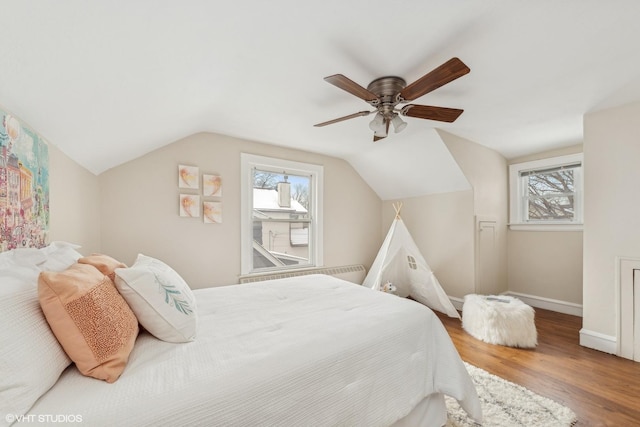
(385, 93)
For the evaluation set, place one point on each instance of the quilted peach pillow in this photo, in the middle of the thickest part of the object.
(106, 264)
(90, 319)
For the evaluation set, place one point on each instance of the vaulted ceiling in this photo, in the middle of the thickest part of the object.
(109, 81)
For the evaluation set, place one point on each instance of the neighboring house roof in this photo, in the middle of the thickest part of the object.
(265, 258)
(265, 199)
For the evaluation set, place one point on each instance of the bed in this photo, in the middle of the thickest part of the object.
(311, 350)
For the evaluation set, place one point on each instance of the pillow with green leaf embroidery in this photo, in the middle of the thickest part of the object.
(161, 300)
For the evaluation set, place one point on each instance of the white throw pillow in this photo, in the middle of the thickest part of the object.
(59, 256)
(31, 359)
(23, 256)
(161, 300)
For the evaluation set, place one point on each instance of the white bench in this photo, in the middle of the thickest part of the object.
(499, 319)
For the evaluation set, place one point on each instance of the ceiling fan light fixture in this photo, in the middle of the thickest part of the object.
(380, 133)
(377, 124)
(398, 124)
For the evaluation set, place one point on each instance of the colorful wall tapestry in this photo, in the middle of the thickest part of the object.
(24, 186)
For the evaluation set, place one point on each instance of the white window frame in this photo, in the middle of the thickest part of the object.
(249, 162)
(516, 194)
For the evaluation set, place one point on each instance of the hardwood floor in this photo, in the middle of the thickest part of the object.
(602, 389)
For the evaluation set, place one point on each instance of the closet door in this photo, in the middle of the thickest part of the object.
(628, 328)
(636, 315)
(486, 256)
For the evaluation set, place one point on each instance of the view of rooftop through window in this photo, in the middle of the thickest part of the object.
(270, 180)
(281, 206)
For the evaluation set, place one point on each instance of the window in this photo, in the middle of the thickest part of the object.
(412, 262)
(281, 222)
(546, 194)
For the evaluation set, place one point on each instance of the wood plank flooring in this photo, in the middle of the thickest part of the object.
(602, 389)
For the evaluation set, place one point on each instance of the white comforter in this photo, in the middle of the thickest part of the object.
(306, 351)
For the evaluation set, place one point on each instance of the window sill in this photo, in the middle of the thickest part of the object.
(545, 227)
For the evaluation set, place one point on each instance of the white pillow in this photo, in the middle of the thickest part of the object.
(59, 256)
(161, 300)
(24, 256)
(31, 359)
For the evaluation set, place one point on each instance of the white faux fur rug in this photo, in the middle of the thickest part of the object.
(505, 404)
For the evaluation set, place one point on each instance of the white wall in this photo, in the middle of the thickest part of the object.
(442, 227)
(612, 208)
(133, 208)
(74, 203)
(140, 209)
(486, 171)
(546, 264)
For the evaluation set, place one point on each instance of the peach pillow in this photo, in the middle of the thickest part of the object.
(104, 263)
(90, 319)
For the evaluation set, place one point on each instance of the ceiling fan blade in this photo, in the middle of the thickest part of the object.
(340, 119)
(378, 138)
(352, 87)
(441, 114)
(447, 72)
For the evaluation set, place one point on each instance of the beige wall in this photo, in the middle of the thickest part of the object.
(565, 151)
(546, 264)
(140, 209)
(486, 171)
(133, 208)
(612, 208)
(442, 227)
(74, 198)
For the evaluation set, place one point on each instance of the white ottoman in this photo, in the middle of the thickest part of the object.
(499, 319)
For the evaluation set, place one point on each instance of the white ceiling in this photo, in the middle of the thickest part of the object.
(109, 81)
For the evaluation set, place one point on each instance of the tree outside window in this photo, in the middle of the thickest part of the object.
(546, 194)
(551, 195)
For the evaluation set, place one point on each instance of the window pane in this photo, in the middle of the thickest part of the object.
(547, 183)
(546, 192)
(280, 201)
(551, 195)
(299, 233)
(279, 244)
(551, 208)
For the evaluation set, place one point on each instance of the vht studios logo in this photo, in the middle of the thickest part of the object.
(43, 418)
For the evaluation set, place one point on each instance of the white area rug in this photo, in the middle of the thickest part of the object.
(505, 404)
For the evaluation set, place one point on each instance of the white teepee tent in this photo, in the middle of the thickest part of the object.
(400, 262)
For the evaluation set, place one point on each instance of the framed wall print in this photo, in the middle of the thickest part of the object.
(188, 177)
(212, 212)
(211, 185)
(189, 205)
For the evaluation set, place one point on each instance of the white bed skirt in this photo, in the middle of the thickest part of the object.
(430, 412)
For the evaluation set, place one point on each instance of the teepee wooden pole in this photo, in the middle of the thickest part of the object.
(397, 207)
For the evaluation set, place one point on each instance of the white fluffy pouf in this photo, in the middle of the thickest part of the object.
(499, 319)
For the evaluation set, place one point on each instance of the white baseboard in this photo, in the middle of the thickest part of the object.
(548, 303)
(457, 302)
(534, 301)
(598, 341)
(589, 339)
